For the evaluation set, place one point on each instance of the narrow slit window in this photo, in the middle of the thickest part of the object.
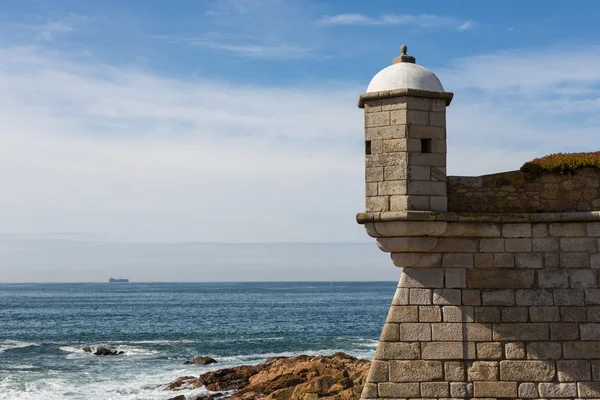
(425, 145)
(367, 147)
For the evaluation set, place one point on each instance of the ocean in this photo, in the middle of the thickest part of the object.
(160, 325)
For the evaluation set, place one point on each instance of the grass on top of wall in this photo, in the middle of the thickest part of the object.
(562, 162)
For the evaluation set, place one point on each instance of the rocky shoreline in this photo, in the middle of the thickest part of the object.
(336, 377)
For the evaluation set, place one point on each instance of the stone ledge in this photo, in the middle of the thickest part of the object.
(384, 216)
(384, 94)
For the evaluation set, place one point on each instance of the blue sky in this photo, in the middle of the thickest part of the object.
(236, 120)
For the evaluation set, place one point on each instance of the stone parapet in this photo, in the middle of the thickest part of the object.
(489, 306)
(516, 191)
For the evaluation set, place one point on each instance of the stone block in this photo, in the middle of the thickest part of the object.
(544, 244)
(456, 278)
(374, 119)
(458, 260)
(454, 370)
(503, 297)
(504, 260)
(491, 245)
(538, 371)
(394, 145)
(573, 370)
(544, 351)
(539, 230)
(419, 103)
(394, 103)
(514, 314)
(394, 173)
(592, 296)
(400, 297)
(487, 314)
(595, 370)
(554, 390)
(386, 159)
(389, 188)
(483, 371)
(578, 244)
(567, 229)
(398, 314)
(371, 189)
(471, 297)
(458, 313)
(421, 296)
(589, 331)
(377, 203)
(398, 117)
(398, 350)
(407, 244)
(583, 278)
(589, 389)
(494, 389)
(564, 331)
(461, 331)
(372, 106)
(516, 230)
(422, 278)
(517, 245)
(438, 173)
(528, 260)
(398, 390)
(593, 313)
(430, 314)
(573, 314)
(419, 173)
(521, 331)
(515, 350)
(595, 261)
(553, 278)
(535, 297)
(489, 351)
(461, 389)
(378, 372)
(457, 245)
(415, 371)
(435, 389)
(386, 132)
(417, 260)
(528, 390)
(551, 260)
(447, 296)
(404, 202)
(544, 314)
(499, 279)
(574, 260)
(426, 132)
(373, 174)
(415, 331)
(447, 350)
(369, 391)
(426, 188)
(483, 260)
(437, 118)
(593, 229)
(569, 297)
(473, 230)
(427, 159)
(415, 117)
(390, 333)
(377, 146)
(581, 350)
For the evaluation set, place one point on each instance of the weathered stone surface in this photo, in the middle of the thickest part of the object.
(415, 371)
(447, 350)
(553, 390)
(528, 390)
(538, 371)
(497, 279)
(483, 371)
(515, 350)
(573, 370)
(495, 389)
(589, 389)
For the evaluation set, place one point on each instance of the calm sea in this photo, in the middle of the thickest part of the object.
(44, 326)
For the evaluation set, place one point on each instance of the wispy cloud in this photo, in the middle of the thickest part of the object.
(423, 20)
(54, 26)
(263, 51)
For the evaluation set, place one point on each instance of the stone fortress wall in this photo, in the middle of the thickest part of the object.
(516, 191)
(499, 295)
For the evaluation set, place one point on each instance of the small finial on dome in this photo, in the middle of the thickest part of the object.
(403, 56)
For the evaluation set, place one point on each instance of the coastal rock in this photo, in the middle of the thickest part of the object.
(180, 397)
(202, 360)
(336, 377)
(87, 349)
(104, 351)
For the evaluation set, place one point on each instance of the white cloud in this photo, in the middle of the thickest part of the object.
(423, 20)
(56, 25)
(262, 51)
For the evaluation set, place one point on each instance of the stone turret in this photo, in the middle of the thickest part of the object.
(405, 138)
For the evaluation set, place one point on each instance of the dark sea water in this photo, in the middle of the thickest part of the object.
(44, 326)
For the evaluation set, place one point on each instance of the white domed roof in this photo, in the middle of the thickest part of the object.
(405, 74)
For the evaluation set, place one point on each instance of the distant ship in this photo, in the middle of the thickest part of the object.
(111, 279)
